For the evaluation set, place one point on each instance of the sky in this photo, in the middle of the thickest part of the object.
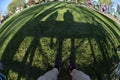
(4, 4)
(115, 2)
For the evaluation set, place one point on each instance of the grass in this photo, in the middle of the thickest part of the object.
(31, 39)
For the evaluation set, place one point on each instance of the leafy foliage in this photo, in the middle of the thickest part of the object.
(15, 4)
(108, 2)
(37, 1)
(31, 2)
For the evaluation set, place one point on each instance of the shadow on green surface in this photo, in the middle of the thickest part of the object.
(61, 31)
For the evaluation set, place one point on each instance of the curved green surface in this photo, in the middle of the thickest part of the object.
(31, 39)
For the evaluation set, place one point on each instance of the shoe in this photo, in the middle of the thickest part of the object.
(58, 64)
(71, 68)
(58, 67)
(72, 65)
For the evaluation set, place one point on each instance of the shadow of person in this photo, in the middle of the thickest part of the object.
(58, 60)
(52, 17)
(72, 55)
(68, 17)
